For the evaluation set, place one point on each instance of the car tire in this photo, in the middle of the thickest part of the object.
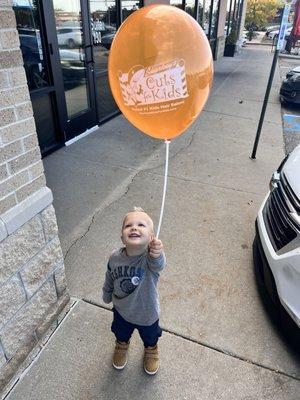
(270, 300)
(279, 316)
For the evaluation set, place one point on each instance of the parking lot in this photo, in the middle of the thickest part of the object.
(287, 63)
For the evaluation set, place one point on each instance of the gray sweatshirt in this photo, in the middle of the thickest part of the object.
(131, 284)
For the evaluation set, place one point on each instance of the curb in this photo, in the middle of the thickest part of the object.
(258, 44)
(290, 56)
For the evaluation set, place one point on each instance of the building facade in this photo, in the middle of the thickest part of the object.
(65, 47)
(33, 288)
(54, 88)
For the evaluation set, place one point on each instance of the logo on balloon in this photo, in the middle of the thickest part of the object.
(160, 70)
(154, 84)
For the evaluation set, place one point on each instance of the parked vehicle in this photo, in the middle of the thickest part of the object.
(290, 87)
(73, 68)
(275, 33)
(272, 28)
(107, 39)
(276, 247)
(275, 28)
(69, 36)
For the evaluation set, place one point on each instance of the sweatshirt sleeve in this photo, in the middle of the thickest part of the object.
(108, 286)
(156, 264)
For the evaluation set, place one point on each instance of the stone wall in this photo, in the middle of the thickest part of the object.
(33, 288)
(220, 47)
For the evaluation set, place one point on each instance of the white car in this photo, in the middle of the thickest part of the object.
(275, 33)
(276, 247)
(69, 36)
(275, 28)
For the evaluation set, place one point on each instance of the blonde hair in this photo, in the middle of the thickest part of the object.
(140, 210)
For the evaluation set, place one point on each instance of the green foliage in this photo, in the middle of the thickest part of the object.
(231, 38)
(233, 35)
(259, 12)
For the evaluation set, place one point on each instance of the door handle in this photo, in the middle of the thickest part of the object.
(91, 61)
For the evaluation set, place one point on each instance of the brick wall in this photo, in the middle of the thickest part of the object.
(21, 170)
(33, 288)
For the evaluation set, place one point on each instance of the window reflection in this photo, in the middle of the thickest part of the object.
(30, 43)
(201, 13)
(129, 6)
(71, 52)
(190, 7)
(234, 10)
(177, 3)
(214, 20)
(103, 22)
(228, 17)
(103, 27)
(206, 15)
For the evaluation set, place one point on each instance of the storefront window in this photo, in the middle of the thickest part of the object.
(233, 15)
(206, 16)
(201, 13)
(28, 19)
(177, 3)
(71, 51)
(190, 7)
(104, 27)
(228, 17)
(30, 43)
(129, 6)
(214, 18)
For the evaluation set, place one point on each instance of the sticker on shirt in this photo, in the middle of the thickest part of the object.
(135, 280)
(127, 286)
(133, 276)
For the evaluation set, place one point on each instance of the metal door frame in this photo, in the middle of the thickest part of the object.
(85, 119)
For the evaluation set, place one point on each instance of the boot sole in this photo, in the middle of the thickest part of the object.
(150, 373)
(119, 367)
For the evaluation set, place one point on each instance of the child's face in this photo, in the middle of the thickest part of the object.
(137, 230)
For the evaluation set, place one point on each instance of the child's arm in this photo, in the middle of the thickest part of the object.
(156, 255)
(108, 286)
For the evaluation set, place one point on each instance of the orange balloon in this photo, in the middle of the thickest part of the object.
(160, 70)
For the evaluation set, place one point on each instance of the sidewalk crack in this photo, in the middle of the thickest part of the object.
(113, 197)
(109, 202)
(210, 346)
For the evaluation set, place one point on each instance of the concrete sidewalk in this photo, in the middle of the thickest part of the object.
(218, 341)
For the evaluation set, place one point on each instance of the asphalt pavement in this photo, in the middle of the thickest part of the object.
(218, 341)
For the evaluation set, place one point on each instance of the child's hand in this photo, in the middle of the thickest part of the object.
(155, 248)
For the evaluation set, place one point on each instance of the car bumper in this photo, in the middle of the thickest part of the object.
(289, 95)
(285, 269)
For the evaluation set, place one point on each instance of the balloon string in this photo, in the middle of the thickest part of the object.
(167, 142)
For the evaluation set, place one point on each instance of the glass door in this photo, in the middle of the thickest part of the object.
(71, 45)
(104, 22)
(33, 44)
(105, 17)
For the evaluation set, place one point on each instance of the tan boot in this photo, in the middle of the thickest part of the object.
(151, 360)
(120, 355)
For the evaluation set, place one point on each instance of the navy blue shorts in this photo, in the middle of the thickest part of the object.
(123, 330)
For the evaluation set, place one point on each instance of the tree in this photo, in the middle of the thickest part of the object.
(259, 12)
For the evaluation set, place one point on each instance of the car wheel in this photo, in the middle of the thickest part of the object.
(268, 293)
(290, 330)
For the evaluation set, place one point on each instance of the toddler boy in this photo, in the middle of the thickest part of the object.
(131, 284)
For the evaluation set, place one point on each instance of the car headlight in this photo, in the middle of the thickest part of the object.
(274, 180)
(276, 175)
(279, 169)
